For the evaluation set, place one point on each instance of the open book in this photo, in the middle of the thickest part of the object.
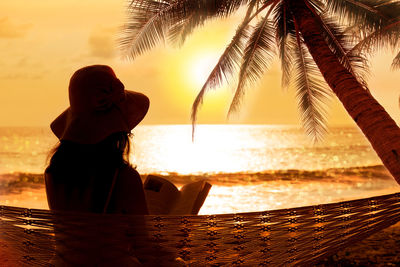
(163, 197)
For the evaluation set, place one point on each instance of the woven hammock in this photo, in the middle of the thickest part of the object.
(297, 236)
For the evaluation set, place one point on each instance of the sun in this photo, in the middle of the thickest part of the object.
(200, 68)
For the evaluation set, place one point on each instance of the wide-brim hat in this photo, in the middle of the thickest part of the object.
(99, 107)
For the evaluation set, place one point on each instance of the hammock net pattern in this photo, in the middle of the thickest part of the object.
(296, 236)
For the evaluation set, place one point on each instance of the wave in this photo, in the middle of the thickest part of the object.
(15, 183)
(342, 175)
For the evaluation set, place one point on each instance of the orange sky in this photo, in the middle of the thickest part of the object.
(43, 42)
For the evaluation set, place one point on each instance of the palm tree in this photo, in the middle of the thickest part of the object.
(306, 34)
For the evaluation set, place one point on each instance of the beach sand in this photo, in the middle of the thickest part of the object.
(380, 249)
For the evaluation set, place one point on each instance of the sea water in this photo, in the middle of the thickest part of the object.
(251, 167)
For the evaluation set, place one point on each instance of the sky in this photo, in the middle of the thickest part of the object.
(43, 42)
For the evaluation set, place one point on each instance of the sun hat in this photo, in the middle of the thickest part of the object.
(99, 107)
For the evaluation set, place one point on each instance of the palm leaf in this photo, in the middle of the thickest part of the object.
(387, 36)
(358, 12)
(179, 32)
(318, 5)
(284, 29)
(396, 62)
(339, 42)
(389, 9)
(312, 93)
(145, 27)
(374, 24)
(226, 64)
(257, 56)
(150, 20)
(388, 32)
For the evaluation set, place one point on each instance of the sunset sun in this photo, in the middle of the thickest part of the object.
(200, 68)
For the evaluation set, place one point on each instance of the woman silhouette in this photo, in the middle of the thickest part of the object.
(89, 171)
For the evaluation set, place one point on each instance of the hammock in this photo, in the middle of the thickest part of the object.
(296, 236)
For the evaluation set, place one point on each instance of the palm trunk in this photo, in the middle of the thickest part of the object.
(376, 124)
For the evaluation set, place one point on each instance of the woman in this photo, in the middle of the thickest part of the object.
(89, 170)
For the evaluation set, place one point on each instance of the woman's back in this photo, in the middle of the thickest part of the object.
(83, 177)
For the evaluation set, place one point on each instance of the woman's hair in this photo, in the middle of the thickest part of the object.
(114, 149)
(87, 170)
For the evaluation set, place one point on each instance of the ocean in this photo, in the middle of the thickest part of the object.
(251, 167)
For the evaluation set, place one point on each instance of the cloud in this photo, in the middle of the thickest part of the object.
(22, 76)
(23, 68)
(10, 30)
(102, 43)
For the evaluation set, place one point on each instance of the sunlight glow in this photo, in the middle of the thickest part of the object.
(200, 68)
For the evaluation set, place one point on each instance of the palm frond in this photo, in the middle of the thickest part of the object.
(284, 31)
(317, 5)
(225, 67)
(396, 62)
(389, 8)
(358, 12)
(179, 32)
(387, 36)
(257, 56)
(150, 20)
(312, 93)
(226, 64)
(145, 27)
(388, 31)
(338, 40)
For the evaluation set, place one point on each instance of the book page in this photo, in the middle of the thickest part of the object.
(201, 198)
(161, 194)
(191, 198)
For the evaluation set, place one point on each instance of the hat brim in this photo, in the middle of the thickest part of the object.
(91, 128)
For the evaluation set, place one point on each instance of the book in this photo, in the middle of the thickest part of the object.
(163, 197)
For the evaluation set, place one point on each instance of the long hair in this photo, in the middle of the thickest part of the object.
(84, 172)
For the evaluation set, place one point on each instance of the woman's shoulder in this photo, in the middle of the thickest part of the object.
(128, 170)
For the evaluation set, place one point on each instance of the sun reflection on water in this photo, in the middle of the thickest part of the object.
(243, 148)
